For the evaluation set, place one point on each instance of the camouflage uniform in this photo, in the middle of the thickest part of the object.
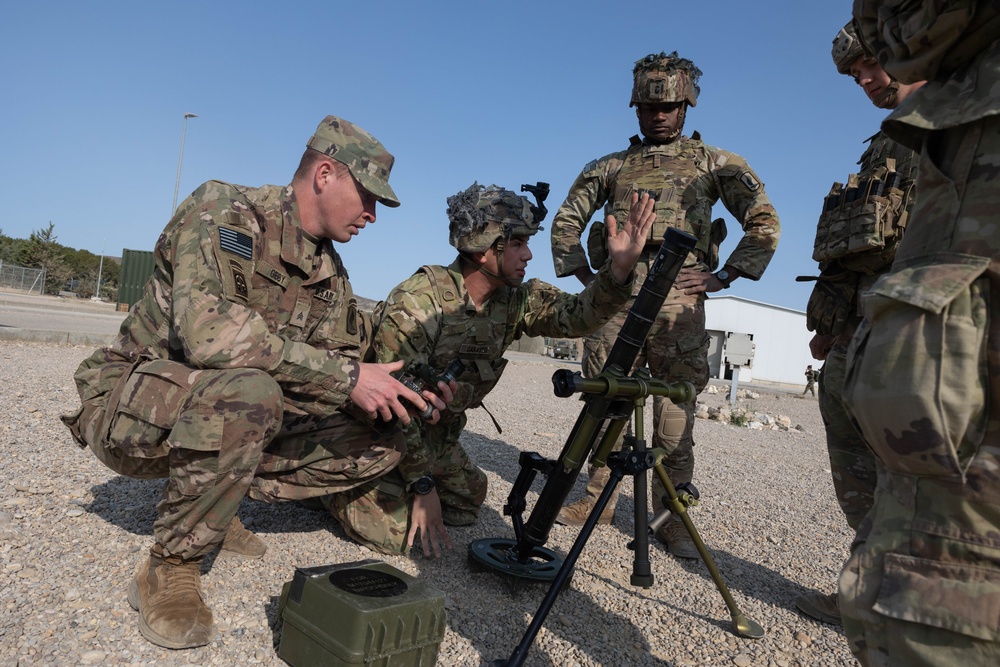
(228, 377)
(430, 319)
(811, 376)
(923, 381)
(834, 307)
(688, 177)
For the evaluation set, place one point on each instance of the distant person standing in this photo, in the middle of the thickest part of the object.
(811, 377)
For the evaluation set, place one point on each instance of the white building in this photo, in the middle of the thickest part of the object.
(780, 338)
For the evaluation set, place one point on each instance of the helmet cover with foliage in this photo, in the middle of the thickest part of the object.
(479, 215)
(660, 78)
(846, 48)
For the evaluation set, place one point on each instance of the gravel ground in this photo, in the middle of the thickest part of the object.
(72, 533)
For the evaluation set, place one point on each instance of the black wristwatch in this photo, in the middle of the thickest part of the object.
(423, 485)
(724, 277)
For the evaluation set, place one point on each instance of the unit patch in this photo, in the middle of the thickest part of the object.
(236, 242)
(239, 280)
(748, 179)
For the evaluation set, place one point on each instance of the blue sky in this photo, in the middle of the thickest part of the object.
(506, 92)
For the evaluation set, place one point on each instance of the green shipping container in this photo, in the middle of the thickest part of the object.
(137, 268)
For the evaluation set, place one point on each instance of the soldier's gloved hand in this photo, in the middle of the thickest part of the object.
(830, 306)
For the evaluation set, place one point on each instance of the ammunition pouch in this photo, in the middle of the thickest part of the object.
(864, 216)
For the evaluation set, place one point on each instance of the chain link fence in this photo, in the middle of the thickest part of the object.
(22, 278)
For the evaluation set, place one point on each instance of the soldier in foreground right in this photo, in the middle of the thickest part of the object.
(922, 586)
(855, 243)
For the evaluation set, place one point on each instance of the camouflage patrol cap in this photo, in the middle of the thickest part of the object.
(480, 215)
(366, 158)
(847, 48)
(663, 78)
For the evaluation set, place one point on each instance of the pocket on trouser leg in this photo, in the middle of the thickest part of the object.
(917, 371)
(375, 518)
(961, 600)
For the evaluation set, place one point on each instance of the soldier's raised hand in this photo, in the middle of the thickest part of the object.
(625, 245)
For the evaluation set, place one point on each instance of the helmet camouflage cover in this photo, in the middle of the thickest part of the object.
(663, 78)
(479, 215)
(846, 48)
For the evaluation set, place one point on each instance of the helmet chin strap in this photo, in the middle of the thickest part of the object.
(888, 96)
(498, 249)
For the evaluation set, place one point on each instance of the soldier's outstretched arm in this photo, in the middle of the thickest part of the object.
(625, 245)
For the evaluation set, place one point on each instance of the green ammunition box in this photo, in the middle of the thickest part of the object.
(361, 613)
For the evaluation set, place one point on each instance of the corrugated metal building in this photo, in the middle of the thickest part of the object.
(780, 338)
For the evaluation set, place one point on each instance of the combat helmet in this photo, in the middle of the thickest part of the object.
(660, 78)
(480, 218)
(480, 215)
(846, 48)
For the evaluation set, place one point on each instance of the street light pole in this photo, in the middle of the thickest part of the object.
(100, 270)
(177, 183)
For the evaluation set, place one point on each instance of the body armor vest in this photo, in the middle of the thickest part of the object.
(478, 339)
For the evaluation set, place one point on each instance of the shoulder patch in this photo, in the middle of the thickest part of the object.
(748, 179)
(236, 242)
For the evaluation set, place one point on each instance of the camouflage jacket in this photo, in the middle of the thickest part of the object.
(237, 283)
(689, 178)
(430, 319)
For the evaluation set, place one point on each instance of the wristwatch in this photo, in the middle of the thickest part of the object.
(724, 277)
(423, 485)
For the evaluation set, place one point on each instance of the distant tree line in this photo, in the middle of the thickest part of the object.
(66, 269)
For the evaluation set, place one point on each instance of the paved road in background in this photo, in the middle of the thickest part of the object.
(57, 319)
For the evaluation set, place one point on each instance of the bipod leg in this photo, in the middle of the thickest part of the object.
(744, 626)
(520, 653)
(642, 572)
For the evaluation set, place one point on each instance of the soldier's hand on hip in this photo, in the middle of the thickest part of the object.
(691, 281)
(625, 245)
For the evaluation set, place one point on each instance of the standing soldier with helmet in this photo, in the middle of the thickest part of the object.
(472, 311)
(686, 177)
(856, 238)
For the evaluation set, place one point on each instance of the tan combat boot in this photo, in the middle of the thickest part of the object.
(575, 514)
(674, 534)
(821, 607)
(241, 542)
(167, 594)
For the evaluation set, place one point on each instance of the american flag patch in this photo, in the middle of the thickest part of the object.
(236, 242)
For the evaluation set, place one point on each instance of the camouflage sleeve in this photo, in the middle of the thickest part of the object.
(216, 332)
(742, 193)
(407, 331)
(551, 312)
(588, 193)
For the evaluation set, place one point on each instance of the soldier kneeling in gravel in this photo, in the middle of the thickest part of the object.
(229, 376)
(473, 310)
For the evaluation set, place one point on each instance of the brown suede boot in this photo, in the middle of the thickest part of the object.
(575, 514)
(241, 542)
(821, 607)
(167, 594)
(674, 534)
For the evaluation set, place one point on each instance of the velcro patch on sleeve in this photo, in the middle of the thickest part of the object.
(236, 242)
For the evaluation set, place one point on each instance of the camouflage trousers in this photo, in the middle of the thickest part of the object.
(810, 388)
(922, 586)
(851, 460)
(218, 435)
(377, 514)
(676, 350)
